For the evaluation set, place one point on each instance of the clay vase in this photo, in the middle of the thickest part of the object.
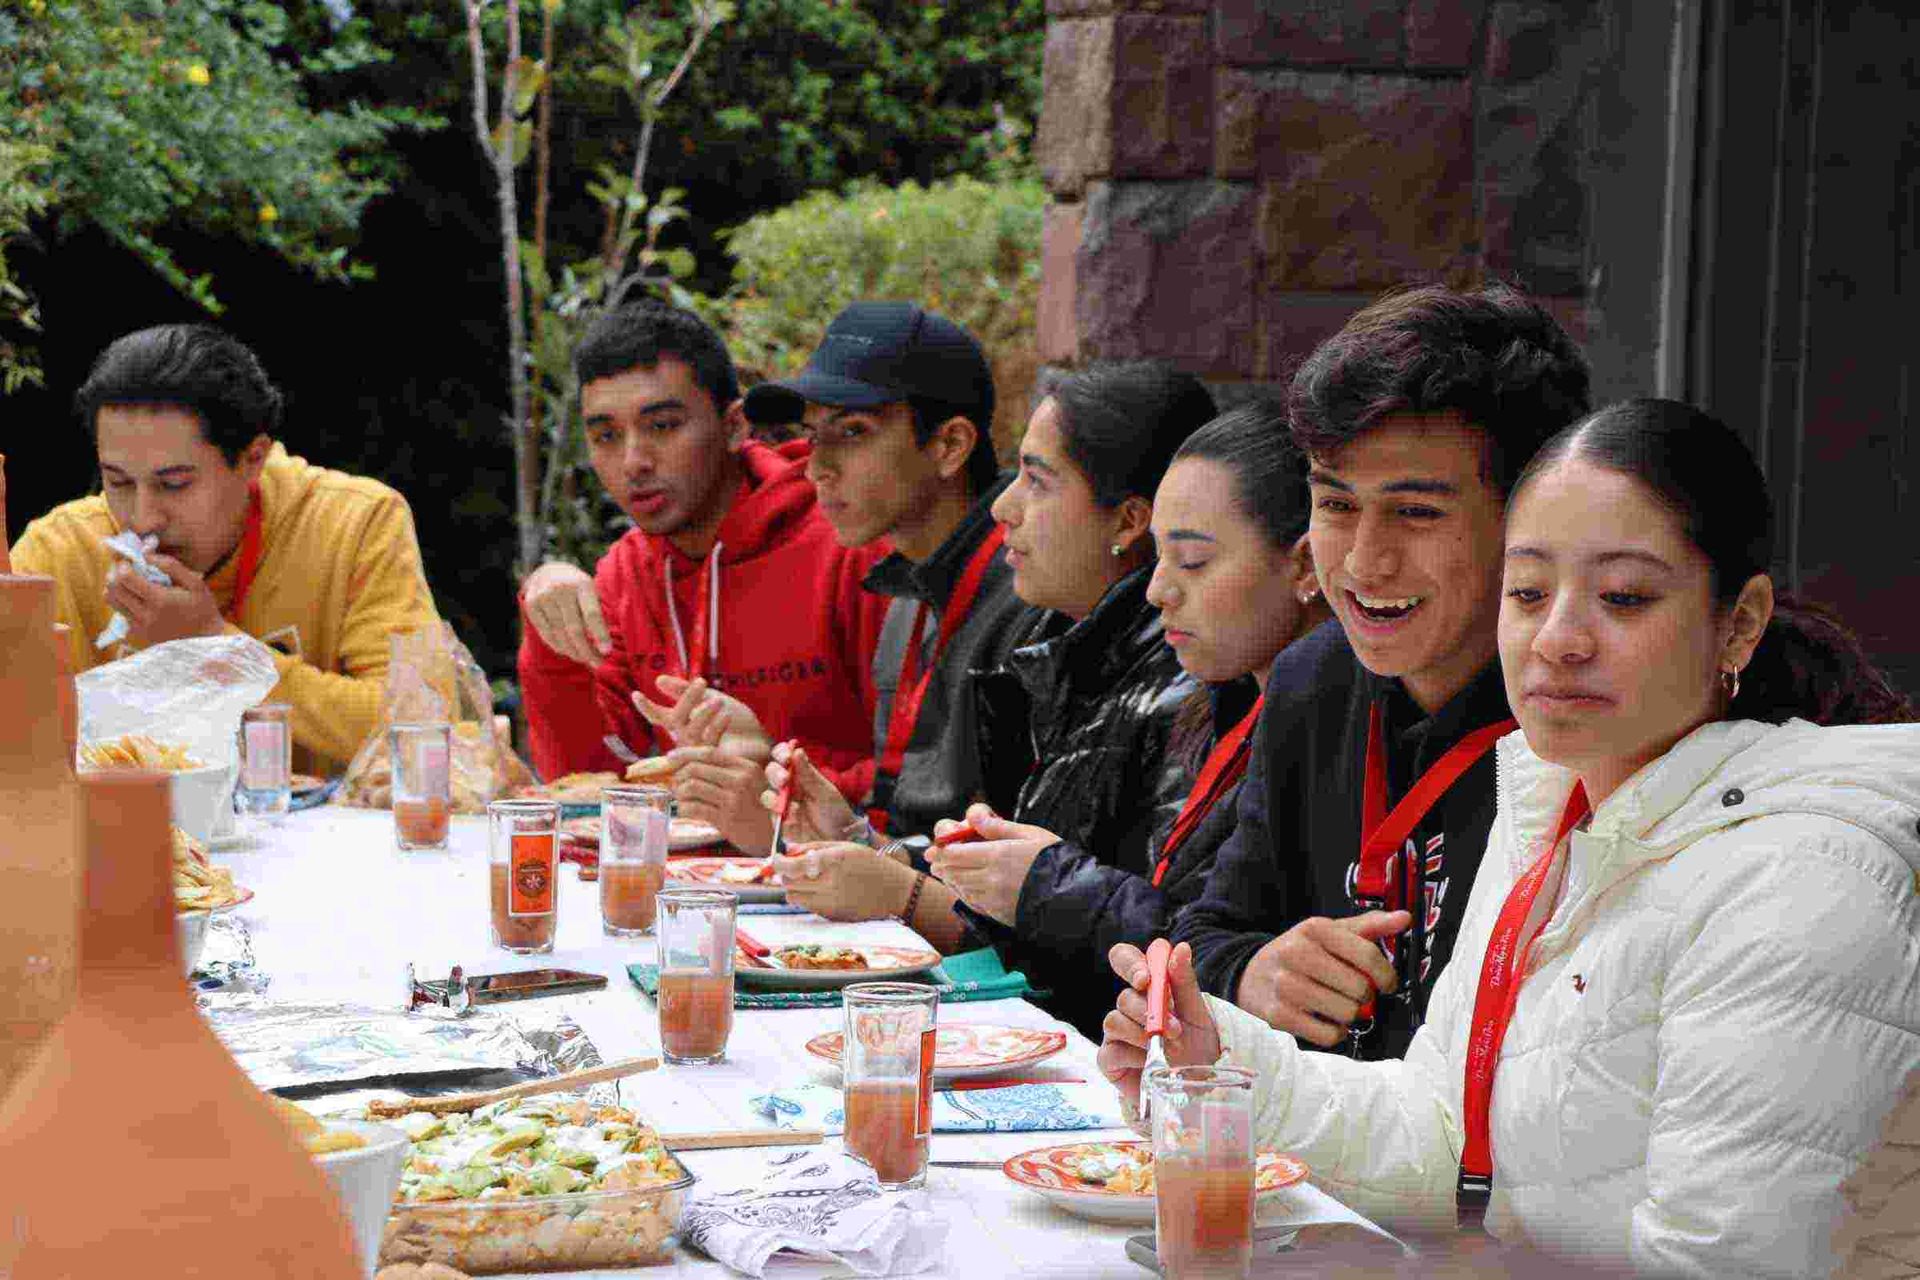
(39, 828)
(133, 1145)
(66, 696)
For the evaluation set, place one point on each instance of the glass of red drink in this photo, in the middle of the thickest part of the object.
(634, 827)
(1202, 1122)
(422, 782)
(523, 853)
(888, 1074)
(696, 931)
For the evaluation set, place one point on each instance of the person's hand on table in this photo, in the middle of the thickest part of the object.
(702, 716)
(844, 881)
(819, 812)
(1311, 980)
(561, 603)
(156, 614)
(713, 786)
(988, 873)
(1191, 1039)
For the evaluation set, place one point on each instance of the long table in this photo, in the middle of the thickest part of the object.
(339, 912)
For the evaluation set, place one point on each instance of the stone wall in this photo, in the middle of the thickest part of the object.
(1233, 179)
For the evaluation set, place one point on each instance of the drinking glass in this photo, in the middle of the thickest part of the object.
(1202, 1122)
(266, 762)
(422, 798)
(696, 928)
(888, 1072)
(635, 823)
(522, 840)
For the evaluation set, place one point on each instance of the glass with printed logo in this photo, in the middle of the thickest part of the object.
(266, 762)
(523, 853)
(635, 823)
(696, 928)
(1202, 1123)
(422, 784)
(888, 1073)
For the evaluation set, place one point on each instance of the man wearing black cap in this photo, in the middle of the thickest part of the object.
(897, 404)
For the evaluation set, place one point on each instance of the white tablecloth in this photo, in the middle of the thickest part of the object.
(339, 912)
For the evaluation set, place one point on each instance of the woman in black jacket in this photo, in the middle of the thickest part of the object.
(1115, 828)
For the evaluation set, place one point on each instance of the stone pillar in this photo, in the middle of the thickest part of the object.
(1233, 179)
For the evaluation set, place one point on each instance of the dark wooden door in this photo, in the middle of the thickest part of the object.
(1805, 284)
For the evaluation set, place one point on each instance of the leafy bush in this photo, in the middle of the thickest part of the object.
(965, 248)
(146, 115)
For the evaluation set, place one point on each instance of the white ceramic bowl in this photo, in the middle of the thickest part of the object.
(190, 927)
(199, 795)
(366, 1180)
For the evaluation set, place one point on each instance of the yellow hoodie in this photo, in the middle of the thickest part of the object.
(339, 571)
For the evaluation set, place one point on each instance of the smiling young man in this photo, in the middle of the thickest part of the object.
(731, 574)
(319, 565)
(1371, 784)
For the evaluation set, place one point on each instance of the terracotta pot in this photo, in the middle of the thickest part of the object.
(40, 836)
(133, 1145)
(66, 696)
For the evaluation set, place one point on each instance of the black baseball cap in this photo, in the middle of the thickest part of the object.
(877, 353)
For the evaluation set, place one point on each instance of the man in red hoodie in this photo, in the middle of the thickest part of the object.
(732, 574)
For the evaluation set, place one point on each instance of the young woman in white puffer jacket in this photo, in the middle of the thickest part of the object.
(1723, 1000)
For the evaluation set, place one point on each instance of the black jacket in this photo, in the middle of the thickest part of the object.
(940, 774)
(1295, 847)
(1077, 723)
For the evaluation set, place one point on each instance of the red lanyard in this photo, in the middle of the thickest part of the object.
(250, 552)
(1388, 871)
(1502, 972)
(1226, 765)
(912, 691)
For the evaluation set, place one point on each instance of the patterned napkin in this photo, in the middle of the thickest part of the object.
(817, 1205)
(974, 975)
(1018, 1108)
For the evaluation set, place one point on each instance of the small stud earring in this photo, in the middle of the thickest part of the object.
(1117, 549)
(1308, 597)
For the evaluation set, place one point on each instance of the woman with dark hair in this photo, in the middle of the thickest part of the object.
(1691, 959)
(1233, 581)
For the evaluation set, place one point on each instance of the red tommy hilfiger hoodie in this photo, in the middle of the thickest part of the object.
(774, 615)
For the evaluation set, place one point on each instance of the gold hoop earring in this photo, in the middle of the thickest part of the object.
(1730, 681)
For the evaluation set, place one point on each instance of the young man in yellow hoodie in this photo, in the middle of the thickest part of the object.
(319, 565)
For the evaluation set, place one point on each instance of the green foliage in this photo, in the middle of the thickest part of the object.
(966, 248)
(155, 114)
(23, 194)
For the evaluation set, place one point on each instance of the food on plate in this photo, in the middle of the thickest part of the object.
(315, 1136)
(654, 770)
(472, 771)
(817, 955)
(746, 871)
(534, 1184)
(1127, 1168)
(581, 830)
(572, 788)
(198, 885)
(305, 782)
(137, 751)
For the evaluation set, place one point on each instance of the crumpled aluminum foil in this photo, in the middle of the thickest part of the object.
(352, 1053)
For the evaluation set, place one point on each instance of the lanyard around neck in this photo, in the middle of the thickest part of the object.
(1226, 765)
(914, 676)
(1503, 971)
(251, 549)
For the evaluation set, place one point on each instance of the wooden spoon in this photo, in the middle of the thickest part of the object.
(381, 1110)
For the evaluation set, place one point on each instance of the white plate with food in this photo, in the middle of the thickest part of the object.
(749, 878)
(682, 833)
(816, 965)
(1113, 1181)
(967, 1050)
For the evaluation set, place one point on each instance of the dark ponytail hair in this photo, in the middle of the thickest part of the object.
(1807, 664)
(1122, 421)
(1269, 488)
(1269, 472)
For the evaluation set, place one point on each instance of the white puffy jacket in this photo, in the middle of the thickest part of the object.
(1714, 1024)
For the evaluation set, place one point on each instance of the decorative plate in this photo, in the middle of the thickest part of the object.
(883, 963)
(712, 873)
(1070, 1177)
(684, 833)
(967, 1051)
